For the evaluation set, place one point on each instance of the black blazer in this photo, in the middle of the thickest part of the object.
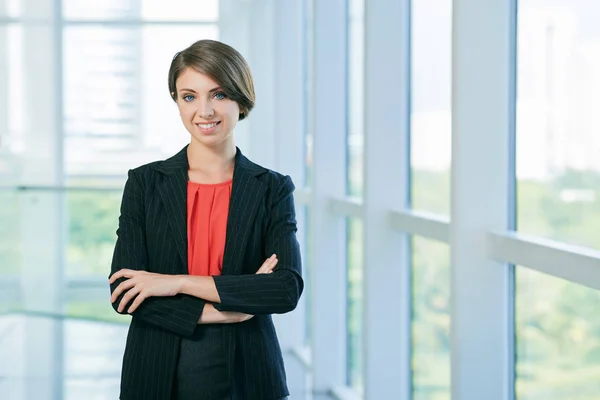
(152, 236)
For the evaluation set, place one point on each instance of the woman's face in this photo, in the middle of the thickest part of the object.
(207, 113)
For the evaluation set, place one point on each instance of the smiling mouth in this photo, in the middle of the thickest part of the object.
(208, 126)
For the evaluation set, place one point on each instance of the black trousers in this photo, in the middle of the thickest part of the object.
(203, 368)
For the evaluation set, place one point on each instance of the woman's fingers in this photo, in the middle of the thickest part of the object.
(123, 273)
(265, 266)
(128, 297)
(136, 303)
(272, 266)
(268, 265)
(233, 317)
(241, 317)
(123, 286)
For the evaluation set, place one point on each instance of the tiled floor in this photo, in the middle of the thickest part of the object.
(35, 349)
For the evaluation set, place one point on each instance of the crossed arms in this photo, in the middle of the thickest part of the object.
(179, 302)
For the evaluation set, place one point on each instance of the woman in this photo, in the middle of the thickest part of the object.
(206, 250)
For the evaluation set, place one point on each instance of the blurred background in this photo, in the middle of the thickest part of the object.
(446, 155)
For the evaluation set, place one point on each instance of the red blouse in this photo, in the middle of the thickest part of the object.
(207, 212)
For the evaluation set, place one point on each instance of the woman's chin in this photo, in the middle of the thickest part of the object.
(209, 140)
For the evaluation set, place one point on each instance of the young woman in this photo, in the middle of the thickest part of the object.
(206, 250)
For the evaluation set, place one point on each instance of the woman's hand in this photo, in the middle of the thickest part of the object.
(210, 315)
(268, 265)
(143, 284)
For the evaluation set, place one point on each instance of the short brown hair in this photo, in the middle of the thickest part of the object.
(223, 64)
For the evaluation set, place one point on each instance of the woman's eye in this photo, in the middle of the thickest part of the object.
(220, 95)
(188, 97)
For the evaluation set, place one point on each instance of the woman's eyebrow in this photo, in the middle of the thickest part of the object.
(193, 91)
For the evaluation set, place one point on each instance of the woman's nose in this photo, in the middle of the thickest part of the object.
(205, 109)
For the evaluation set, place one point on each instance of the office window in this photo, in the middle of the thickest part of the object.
(307, 271)
(11, 131)
(89, 353)
(12, 8)
(92, 223)
(355, 133)
(309, 112)
(558, 196)
(118, 111)
(431, 122)
(355, 302)
(10, 254)
(431, 320)
(94, 310)
(558, 338)
(558, 97)
(151, 10)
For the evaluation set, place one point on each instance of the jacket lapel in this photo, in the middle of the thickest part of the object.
(173, 193)
(246, 196)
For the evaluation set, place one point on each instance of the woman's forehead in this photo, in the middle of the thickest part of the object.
(195, 80)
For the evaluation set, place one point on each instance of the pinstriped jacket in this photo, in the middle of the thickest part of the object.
(152, 235)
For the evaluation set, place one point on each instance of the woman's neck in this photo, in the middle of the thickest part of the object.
(211, 163)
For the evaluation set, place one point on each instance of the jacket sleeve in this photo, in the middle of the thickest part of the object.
(178, 314)
(278, 292)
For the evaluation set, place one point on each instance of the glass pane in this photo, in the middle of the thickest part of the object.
(101, 100)
(41, 353)
(180, 10)
(356, 58)
(430, 115)
(11, 142)
(307, 272)
(152, 10)
(10, 254)
(12, 117)
(309, 93)
(92, 223)
(355, 302)
(431, 320)
(92, 359)
(558, 97)
(101, 9)
(117, 98)
(13, 8)
(558, 338)
(95, 310)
